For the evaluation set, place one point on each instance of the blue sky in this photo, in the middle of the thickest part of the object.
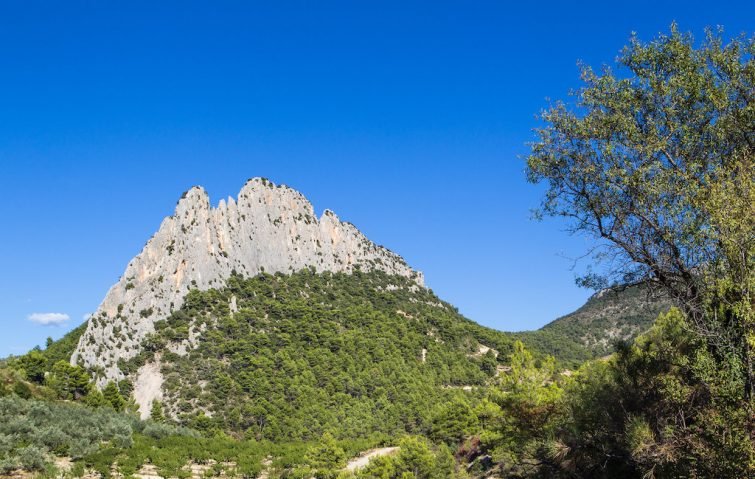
(408, 119)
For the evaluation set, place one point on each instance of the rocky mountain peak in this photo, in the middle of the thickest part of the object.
(268, 227)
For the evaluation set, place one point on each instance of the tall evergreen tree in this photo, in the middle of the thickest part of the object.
(113, 396)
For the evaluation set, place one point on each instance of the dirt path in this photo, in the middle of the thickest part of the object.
(364, 458)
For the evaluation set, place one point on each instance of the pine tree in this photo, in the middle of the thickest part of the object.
(95, 399)
(113, 396)
(327, 458)
(34, 364)
(156, 411)
(68, 382)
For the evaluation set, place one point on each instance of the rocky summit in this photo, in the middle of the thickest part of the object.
(268, 228)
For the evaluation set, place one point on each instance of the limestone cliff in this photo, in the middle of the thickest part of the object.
(267, 228)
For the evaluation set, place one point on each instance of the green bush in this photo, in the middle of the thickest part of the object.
(31, 458)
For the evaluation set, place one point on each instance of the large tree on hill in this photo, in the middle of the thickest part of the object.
(657, 161)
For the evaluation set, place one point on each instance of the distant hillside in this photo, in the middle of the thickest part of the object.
(592, 330)
(60, 350)
(63, 348)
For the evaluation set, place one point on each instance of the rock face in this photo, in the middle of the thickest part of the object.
(268, 228)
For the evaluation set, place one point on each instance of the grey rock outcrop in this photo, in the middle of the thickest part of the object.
(268, 228)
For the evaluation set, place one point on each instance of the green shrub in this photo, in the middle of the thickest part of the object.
(31, 458)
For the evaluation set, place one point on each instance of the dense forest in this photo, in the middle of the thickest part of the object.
(308, 353)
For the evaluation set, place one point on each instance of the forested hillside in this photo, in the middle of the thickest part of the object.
(292, 356)
(609, 318)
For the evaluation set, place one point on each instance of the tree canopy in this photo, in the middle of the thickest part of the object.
(656, 161)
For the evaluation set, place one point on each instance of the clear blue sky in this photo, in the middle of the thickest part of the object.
(407, 119)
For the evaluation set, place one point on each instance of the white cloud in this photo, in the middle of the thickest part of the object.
(48, 319)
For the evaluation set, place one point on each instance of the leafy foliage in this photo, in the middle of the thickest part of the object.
(658, 164)
(326, 458)
(416, 459)
(37, 361)
(68, 382)
(112, 396)
(453, 421)
(661, 407)
(521, 411)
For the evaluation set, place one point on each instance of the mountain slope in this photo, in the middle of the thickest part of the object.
(267, 228)
(591, 331)
(291, 356)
